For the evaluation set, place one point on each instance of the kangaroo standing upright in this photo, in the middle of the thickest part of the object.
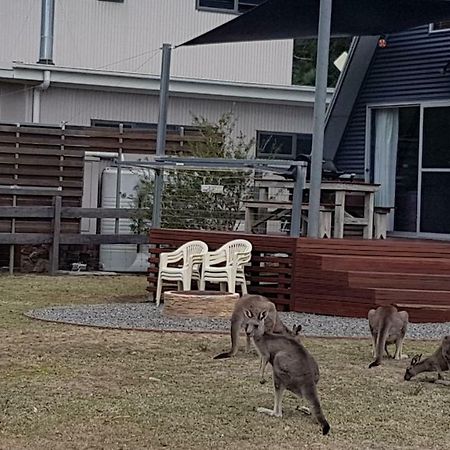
(293, 367)
(247, 307)
(387, 326)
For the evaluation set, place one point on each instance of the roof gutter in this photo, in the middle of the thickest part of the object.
(179, 87)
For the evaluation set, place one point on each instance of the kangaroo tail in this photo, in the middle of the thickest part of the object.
(381, 343)
(223, 355)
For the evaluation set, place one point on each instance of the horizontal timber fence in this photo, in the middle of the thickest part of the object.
(45, 156)
(56, 236)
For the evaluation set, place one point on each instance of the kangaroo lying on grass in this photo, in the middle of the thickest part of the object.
(247, 307)
(438, 362)
(388, 326)
(293, 367)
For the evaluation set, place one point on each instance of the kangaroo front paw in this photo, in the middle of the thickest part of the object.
(269, 412)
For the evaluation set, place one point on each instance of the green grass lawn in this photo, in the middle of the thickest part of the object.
(69, 387)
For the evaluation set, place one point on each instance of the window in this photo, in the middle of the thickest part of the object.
(140, 125)
(443, 25)
(283, 145)
(232, 6)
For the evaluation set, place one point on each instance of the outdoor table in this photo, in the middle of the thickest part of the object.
(338, 191)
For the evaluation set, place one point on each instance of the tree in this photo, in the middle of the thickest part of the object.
(305, 56)
(185, 204)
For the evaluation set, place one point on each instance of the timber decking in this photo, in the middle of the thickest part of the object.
(352, 276)
(342, 277)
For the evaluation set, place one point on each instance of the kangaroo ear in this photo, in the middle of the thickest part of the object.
(262, 315)
(297, 329)
(248, 313)
(416, 359)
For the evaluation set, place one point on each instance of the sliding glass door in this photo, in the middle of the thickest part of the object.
(410, 158)
(435, 171)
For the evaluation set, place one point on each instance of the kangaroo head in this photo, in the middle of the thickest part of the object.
(255, 323)
(411, 371)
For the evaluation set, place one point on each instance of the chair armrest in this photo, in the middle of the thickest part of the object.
(170, 257)
(214, 257)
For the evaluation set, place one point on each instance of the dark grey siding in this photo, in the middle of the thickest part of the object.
(409, 69)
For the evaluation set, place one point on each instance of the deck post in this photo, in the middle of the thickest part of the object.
(297, 197)
(54, 255)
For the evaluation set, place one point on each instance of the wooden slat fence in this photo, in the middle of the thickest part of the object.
(53, 157)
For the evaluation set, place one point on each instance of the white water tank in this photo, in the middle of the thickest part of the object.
(120, 257)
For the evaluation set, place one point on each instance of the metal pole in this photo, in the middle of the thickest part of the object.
(47, 32)
(161, 133)
(323, 47)
(297, 197)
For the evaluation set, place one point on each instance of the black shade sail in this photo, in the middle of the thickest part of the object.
(287, 19)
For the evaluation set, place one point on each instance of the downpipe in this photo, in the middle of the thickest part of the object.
(37, 91)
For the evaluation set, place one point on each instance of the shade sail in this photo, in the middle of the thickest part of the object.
(287, 19)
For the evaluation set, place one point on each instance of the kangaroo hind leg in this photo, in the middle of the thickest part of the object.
(310, 393)
(278, 396)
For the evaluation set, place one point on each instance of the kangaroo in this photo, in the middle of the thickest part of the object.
(388, 326)
(293, 367)
(247, 307)
(438, 362)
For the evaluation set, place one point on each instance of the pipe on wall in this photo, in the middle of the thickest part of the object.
(37, 91)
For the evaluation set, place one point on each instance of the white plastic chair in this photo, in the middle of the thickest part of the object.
(188, 258)
(226, 265)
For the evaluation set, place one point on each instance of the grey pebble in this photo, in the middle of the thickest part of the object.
(149, 316)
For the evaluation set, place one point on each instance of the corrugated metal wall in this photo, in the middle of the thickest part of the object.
(408, 70)
(78, 106)
(126, 37)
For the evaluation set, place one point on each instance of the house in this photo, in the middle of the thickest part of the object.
(389, 122)
(104, 68)
(101, 66)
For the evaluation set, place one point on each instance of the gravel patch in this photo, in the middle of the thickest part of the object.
(147, 316)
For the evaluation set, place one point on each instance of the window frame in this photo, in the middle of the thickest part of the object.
(235, 9)
(431, 28)
(294, 139)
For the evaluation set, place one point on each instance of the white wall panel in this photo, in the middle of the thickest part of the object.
(127, 37)
(78, 106)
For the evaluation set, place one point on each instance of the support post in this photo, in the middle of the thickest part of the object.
(297, 197)
(320, 98)
(54, 255)
(119, 179)
(161, 133)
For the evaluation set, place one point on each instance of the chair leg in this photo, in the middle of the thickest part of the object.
(231, 284)
(158, 291)
(186, 282)
(201, 284)
(244, 287)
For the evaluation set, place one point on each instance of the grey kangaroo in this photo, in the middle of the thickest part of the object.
(293, 367)
(438, 362)
(387, 326)
(249, 306)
